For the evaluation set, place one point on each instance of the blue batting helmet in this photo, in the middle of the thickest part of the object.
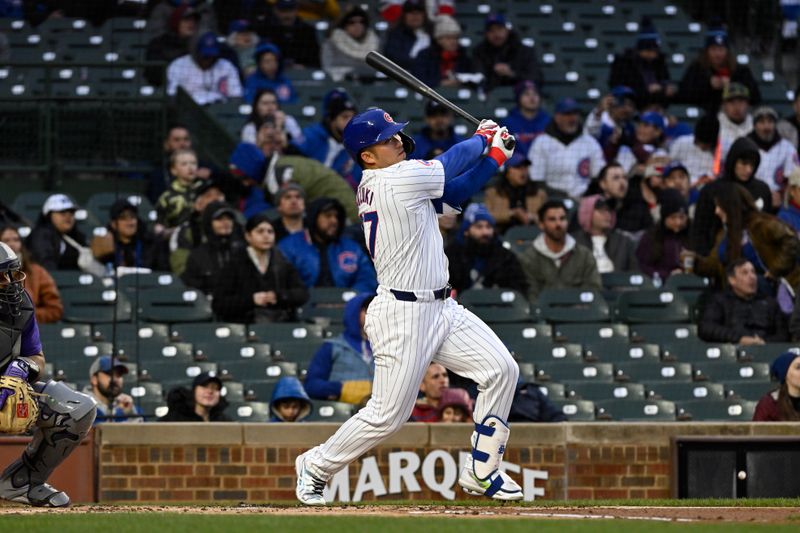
(372, 127)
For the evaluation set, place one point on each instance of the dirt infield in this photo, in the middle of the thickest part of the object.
(662, 514)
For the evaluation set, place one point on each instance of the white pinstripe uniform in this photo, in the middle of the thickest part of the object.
(401, 228)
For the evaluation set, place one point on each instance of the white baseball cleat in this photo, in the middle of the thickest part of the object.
(309, 488)
(498, 486)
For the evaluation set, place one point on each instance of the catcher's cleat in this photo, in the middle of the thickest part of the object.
(15, 487)
(309, 487)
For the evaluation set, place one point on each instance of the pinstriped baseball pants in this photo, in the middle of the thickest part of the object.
(405, 338)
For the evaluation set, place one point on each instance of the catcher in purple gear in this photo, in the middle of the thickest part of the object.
(61, 415)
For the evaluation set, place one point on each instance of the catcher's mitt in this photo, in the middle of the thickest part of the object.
(21, 409)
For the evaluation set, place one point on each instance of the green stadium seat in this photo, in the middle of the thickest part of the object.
(224, 350)
(697, 351)
(651, 306)
(496, 305)
(553, 391)
(144, 390)
(59, 332)
(233, 392)
(250, 412)
(663, 390)
(95, 305)
(245, 370)
(66, 279)
(572, 305)
(576, 410)
(748, 390)
(689, 286)
(636, 410)
(514, 333)
(642, 371)
(584, 390)
(155, 350)
(284, 332)
(543, 351)
(259, 390)
(171, 372)
(589, 332)
(300, 352)
(570, 371)
(326, 411)
(168, 304)
(130, 332)
(723, 372)
(716, 410)
(72, 358)
(626, 281)
(151, 280)
(233, 333)
(520, 238)
(766, 353)
(662, 333)
(327, 303)
(618, 350)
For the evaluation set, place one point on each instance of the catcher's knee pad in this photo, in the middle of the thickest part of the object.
(76, 410)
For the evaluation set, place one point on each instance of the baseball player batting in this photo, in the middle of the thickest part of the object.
(412, 320)
(62, 416)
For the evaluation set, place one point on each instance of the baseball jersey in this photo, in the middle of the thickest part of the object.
(220, 82)
(776, 164)
(698, 162)
(401, 226)
(568, 168)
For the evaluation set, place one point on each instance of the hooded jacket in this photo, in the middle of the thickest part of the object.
(519, 57)
(289, 388)
(573, 266)
(281, 84)
(206, 262)
(706, 224)
(343, 359)
(348, 264)
(180, 402)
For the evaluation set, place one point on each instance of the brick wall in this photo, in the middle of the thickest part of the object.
(255, 462)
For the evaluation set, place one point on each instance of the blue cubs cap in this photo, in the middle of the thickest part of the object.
(207, 45)
(567, 105)
(621, 93)
(238, 25)
(654, 119)
(495, 19)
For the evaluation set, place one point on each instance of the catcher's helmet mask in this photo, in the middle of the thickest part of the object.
(12, 281)
(372, 127)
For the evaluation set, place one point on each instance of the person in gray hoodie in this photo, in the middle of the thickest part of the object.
(555, 260)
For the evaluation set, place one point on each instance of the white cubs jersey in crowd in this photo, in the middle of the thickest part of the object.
(401, 225)
(698, 162)
(776, 164)
(566, 168)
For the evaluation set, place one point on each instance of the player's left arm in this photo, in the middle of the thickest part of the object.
(30, 362)
(459, 189)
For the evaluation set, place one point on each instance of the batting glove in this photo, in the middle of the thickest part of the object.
(498, 151)
(486, 129)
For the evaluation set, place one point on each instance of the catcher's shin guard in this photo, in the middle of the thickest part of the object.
(66, 417)
(481, 475)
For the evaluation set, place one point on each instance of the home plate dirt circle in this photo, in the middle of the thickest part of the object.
(666, 514)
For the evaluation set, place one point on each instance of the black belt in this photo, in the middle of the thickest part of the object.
(406, 296)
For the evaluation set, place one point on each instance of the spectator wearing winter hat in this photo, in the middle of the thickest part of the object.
(696, 151)
(455, 406)
(648, 138)
(734, 117)
(269, 75)
(126, 241)
(409, 36)
(502, 57)
(438, 135)
(173, 43)
(783, 403)
(563, 156)
(710, 74)
(290, 203)
(778, 156)
(478, 259)
(611, 122)
(790, 212)
(259, 284)
(294, 37)
(644, 69)
(676, 176)
(49, 240)
(392, 10)
(512, 198)
(203, 402)
(613, 250)
(323, 141)
(289, 402)
(659, 250)
(243, 40)
(204, 75)
(445, 62)
(527, 119)
(161, 16)
(344, 51)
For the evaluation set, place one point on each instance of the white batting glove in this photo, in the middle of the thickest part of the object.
(498, 151)
(486, 129)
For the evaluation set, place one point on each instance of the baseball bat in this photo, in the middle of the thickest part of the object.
(394, 71)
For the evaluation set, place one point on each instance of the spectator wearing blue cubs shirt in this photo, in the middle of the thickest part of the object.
(527, 119)
(438, 135)
(269, 75)
(343, 367)
(323, 256)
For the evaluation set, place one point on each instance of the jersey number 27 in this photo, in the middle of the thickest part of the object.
(371, 218)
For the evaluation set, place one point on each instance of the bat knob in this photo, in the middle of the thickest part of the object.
(510, 142)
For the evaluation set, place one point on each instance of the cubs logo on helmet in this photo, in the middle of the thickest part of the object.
(388, 118)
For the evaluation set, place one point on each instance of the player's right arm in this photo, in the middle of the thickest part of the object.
(463, 155)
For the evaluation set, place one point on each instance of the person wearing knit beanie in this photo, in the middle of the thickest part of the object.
(660, 247)
(782, 404)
